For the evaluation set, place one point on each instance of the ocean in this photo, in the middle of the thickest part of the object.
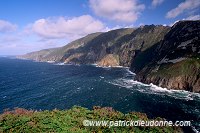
(46, 86)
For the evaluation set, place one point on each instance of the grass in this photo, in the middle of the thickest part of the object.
(68, 121)
(186, 67)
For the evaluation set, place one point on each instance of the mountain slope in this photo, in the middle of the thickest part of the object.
(119, 45)
(96, 49)
(56, 54)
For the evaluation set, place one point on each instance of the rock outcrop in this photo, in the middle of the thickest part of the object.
(109, 60)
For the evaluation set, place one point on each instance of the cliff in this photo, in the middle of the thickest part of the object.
(123, 44)
(162, 55)
(174, 62)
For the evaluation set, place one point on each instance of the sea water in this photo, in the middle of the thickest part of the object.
(46, 86)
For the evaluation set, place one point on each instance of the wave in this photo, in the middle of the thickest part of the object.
(50, 61)
(60, 63)
(128, 82)
(129, 71)
(96, 65)
(177, 94)
(157, 88)
(154, 89)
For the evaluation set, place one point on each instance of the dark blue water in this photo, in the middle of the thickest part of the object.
(36, 85)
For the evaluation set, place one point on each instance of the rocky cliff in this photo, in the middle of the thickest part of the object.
(163, 55)
(174, 62)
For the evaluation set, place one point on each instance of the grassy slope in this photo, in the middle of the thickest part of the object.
(21, 120)
(187, 67)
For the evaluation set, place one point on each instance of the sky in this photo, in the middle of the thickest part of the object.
(31, 25)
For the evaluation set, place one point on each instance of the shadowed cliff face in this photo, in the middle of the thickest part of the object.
(165, 56)
(174, 62)
(124, 44)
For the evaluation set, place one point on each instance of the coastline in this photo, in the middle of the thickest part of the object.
(153, 86)
(150, 88)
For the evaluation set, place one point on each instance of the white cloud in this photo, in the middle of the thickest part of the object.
(193, 17)
(61, 27)
(156, 2)
(6, 26)
(118, 10)
(186, 5)
(8, 38)
(16, 44)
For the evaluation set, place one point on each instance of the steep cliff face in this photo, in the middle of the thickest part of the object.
(128, 46)
(124, 43)
(174, 62)
(97, 49)
(183, 75)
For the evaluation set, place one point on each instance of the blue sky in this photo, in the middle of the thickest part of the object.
(30, 25)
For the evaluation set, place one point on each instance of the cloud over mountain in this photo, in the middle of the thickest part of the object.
(118, 10)
(193, 17)
(69, 28)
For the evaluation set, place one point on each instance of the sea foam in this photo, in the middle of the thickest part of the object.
(154, 89)
(60, 64)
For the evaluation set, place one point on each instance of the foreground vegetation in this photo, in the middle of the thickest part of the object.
(68, 121)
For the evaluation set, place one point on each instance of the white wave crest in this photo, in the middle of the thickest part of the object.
(153, 89)
(50, 61)
(61, 63)
(157, 88)
(130, 72)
